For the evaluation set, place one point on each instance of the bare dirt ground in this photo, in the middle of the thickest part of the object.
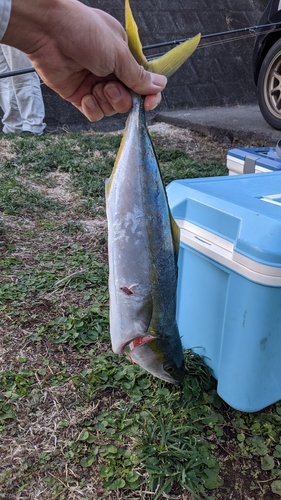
(197, 145)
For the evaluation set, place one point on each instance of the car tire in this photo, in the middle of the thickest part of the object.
(269, 86)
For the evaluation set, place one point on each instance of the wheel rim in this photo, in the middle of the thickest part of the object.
(272, 86)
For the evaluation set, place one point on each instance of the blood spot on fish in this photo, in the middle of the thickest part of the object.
(126, 290)
(140, 341)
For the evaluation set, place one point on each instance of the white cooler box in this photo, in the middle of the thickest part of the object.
(253, 160)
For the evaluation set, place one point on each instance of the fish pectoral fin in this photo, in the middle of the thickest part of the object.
(144, 314)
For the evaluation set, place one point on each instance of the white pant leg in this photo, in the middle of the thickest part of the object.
(27, 91)
(12, 121)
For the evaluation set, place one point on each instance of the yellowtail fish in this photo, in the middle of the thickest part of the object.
(143, 238)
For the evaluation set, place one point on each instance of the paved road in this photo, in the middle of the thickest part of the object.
(230, 122)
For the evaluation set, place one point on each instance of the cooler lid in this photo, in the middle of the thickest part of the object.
(243, 209)
(263, 157)
(241, 153)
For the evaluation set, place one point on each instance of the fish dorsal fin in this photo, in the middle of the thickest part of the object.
(168, 63)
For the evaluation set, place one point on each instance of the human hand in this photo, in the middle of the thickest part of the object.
(82, 54)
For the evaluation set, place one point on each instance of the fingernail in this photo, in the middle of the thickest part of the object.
(90, 102)
(158, 80)
(155, 105)
(148, 105)
(113, 92)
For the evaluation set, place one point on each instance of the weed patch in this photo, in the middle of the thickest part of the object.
(77, 421)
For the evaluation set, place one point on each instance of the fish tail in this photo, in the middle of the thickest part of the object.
(132, 31)
(170, 62)
(165, 65)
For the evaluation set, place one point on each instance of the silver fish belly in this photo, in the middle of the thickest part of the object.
(142, 256)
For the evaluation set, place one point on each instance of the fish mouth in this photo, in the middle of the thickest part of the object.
(148, 360)
(136, 342)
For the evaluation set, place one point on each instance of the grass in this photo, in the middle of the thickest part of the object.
(77, 421)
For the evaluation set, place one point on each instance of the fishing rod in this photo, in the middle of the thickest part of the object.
(251, 29)
(250, 32)
(17, 72)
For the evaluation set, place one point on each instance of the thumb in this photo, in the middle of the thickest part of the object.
(136, 78)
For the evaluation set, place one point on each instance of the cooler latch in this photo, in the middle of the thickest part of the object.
(250, 164)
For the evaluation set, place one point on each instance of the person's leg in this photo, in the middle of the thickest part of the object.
(11, 120)
(27, 91)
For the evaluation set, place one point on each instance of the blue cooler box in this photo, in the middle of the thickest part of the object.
(252, 160)
(229, 286)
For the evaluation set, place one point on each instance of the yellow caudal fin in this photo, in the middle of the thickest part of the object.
(166, 64)
(172, 60)
(133, 36)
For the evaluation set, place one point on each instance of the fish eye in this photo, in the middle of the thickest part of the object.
(169, 369)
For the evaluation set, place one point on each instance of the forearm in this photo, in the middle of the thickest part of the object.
(36, 21)
(78, 52)
(65, 26)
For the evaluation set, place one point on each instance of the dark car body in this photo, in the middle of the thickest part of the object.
(267, 63)
(268, 35)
